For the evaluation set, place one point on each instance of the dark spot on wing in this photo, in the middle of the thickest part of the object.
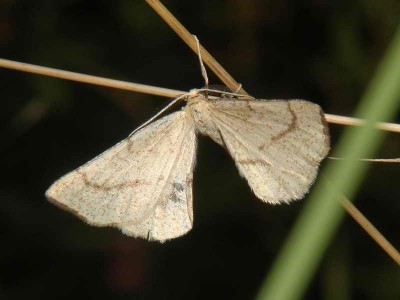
(178, 186)
(174, 197)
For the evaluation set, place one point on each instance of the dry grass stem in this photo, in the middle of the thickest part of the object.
(380, 160)
(118, 84)
(342, 120)
(371, 230)
(147, 89)
(188, 38)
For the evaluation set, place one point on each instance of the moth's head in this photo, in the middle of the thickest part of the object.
(209, 93)
(193, 93)
(196, 95)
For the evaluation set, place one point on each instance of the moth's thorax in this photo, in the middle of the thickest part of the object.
(200, 109)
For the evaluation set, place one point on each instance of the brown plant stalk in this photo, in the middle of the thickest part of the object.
(153, 90)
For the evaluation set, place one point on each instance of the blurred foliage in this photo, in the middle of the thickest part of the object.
(324, 51)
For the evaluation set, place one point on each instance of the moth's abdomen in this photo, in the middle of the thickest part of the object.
(200, 111)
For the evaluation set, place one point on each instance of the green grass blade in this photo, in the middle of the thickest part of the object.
(316, 226)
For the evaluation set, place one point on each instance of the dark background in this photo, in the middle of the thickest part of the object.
(323, 51)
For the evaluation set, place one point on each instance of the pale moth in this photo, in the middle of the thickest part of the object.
(143, 185)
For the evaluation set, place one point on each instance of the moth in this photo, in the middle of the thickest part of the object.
(143, 185)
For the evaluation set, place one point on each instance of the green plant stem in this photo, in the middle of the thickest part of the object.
(316, 226)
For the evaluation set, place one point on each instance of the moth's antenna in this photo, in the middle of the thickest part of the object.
(235, 94)
(203, 72)
(203, 69)
(159, 113)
